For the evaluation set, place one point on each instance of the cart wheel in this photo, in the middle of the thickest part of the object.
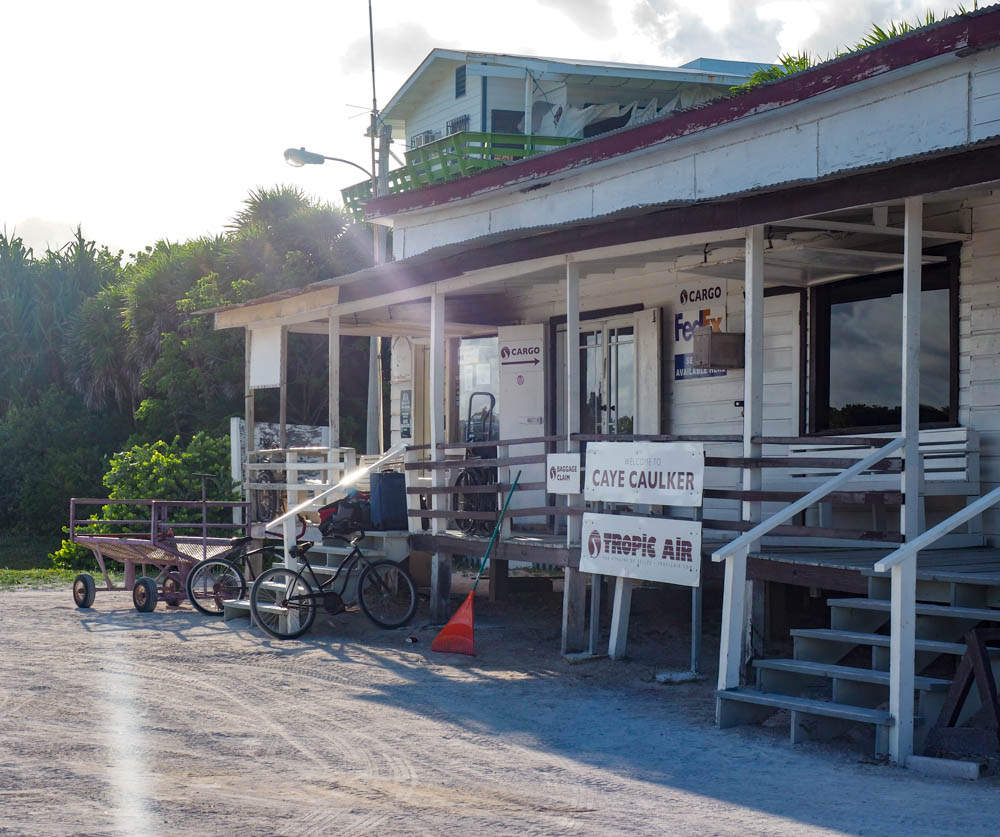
(84, 590)
(144, 595)
(173, 590)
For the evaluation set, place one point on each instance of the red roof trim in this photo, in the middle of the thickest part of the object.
(974, 31)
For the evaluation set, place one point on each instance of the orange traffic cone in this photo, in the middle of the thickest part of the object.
(458, 636)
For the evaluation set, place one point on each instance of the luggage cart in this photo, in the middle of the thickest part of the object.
(148, 539)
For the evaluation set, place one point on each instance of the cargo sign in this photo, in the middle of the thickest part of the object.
(562, 473)
(658, 473)
(698, 304)
(644, 548)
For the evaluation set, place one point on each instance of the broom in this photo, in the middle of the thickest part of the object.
(457, 637)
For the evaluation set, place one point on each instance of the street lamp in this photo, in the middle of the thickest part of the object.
(299, 157)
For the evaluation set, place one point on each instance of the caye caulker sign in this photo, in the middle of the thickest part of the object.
(645, 472)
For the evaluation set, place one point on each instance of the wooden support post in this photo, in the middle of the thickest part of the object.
(753, 417)
(902, 618)
(441, 564)
(753, 376)
(574, 611)
(575, 588)
(248, 397)
(333, 380)
(373, 432)
(283, 393)
(619, 618)
(499, 576)
(733, 610)
(594, 630)
(696, 614)
(573, 387)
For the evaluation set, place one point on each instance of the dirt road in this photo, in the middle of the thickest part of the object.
(115, 722)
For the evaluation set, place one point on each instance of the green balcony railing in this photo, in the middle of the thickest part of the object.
(453, 156)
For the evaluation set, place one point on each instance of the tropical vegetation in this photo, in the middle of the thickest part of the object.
(788, 64)
(113, 383)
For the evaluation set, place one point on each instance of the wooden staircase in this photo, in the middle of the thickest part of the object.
(838, 677)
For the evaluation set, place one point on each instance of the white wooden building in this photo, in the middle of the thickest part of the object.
(806, 214)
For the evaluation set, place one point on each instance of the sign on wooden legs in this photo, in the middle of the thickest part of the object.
(645, 472)
(642, 548)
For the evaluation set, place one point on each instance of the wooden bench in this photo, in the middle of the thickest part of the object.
(950, 459)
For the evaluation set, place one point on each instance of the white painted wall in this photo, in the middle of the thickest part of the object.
(434, 111)
(931, 106)
(979, 343)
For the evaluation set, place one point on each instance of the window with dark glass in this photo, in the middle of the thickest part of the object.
(460, 82)
(857, 345)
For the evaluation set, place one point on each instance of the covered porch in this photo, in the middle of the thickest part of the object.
(609, 322)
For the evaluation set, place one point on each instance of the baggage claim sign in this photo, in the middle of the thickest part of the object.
(698, 304)
(647, 548)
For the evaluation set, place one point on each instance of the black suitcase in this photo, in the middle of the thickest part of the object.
(388, 501)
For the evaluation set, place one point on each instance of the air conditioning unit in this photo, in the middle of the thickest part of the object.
(456, 126)
(422, 139)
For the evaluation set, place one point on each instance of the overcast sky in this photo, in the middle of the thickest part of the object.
(143, 120)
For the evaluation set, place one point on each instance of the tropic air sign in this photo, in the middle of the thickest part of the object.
(642, 547)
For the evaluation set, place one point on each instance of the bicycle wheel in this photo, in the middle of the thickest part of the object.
(212, 582)
(387, 594)
(466, 502)
(282, 603)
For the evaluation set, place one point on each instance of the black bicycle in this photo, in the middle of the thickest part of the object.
(224, 577)
(284, 601)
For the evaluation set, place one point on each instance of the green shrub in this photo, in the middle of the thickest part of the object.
(158, 471)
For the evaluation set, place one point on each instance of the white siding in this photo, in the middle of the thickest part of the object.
(706, 406)
(928, 107)
(433, 113)
(979, 341)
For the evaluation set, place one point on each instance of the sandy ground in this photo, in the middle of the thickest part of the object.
(115, 722)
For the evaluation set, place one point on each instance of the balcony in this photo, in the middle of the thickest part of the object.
(451, 157)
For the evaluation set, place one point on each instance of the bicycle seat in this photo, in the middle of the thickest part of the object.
(302, 547)
(239, 541)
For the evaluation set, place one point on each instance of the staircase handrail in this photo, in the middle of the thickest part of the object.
(964, 515)
(764, 527)
(395, 452)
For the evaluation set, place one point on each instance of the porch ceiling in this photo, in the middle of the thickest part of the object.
(805, 265)
(855, 240)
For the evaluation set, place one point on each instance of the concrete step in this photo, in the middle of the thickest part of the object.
(244, 605)
(843, 711)
(810, 719)
(838, 672)
(977, 614)
(879, 640)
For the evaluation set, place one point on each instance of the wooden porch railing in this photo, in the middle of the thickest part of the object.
(419, 459)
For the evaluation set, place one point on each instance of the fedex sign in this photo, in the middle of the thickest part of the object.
(698, 304)
(684, 328)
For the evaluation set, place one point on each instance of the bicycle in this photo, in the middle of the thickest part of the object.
(224, 577)
(284, 603)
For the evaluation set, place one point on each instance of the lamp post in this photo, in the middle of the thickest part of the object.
(299, 157)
